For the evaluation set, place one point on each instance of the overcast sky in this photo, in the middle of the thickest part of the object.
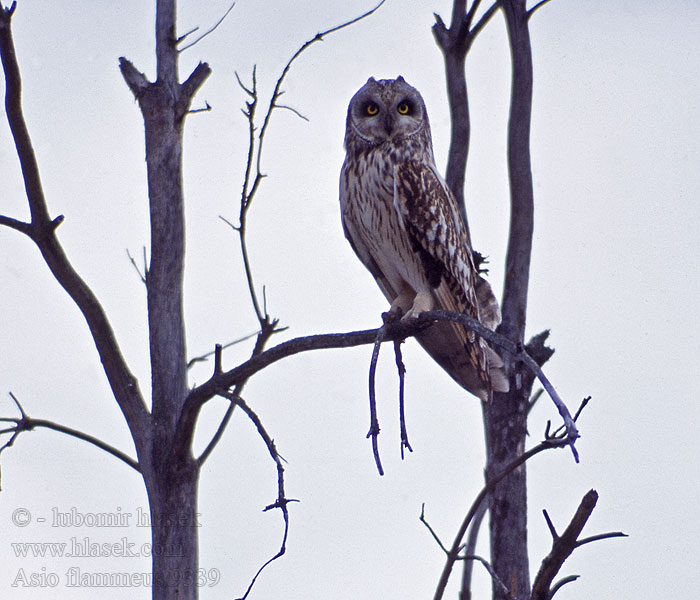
(615, 148)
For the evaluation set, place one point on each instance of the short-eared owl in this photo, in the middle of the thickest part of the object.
(404, 224)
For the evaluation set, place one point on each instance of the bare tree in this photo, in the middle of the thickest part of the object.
(505, 419)
(163, 435)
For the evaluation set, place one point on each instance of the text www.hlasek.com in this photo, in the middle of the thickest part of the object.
(85, 548)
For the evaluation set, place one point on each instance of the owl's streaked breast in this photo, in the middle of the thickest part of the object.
(370, 218)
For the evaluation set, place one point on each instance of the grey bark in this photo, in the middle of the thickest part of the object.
(505, 417)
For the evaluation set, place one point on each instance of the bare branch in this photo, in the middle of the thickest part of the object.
(190, 86)
(255, 146)
(561, 583)
(142, 276)
(494, 576)
(469, 549)
(600, 536)
(550, 525)
(536, 7)
(25, 423)
(486, 17)
(42, 230)
(454, 43)
(188, 418)
(564, 545)
(206, 108)
(468, 557)
(423, 520)
(453, 553)
(137, 81)
(518, 353)
(21, 226)
(205, 34)
(206, 355)
(282, 500)
(398, 330)
(293, 110)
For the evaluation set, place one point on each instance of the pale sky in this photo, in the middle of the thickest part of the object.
(615, 148)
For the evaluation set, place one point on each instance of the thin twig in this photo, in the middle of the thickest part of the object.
(206, 108)
(282, 501)
(465, 557)
(142, 276)
(600, 536)
(536, 7)
(294, 110)
(453, 554)
(205, 34)
(252, 182)
(437, 539)
(487, 565)
(267, 330)
(206, 355)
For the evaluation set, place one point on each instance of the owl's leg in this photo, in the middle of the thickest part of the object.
(403, 302)
(422, 302)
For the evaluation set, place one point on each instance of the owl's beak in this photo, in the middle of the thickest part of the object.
(388, 124)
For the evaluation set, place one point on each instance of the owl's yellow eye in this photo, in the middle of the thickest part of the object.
(403, 108)
(371, 109)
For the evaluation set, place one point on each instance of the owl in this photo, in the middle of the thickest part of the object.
(404, 224)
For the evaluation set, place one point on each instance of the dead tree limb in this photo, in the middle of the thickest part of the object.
(563, 545)
(26, 423)
(42, 230)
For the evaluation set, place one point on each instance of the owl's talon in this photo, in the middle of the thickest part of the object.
(391, 316)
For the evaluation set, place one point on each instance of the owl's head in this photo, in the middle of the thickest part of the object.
(385, 110)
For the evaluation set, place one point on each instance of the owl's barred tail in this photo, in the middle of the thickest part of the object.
(448, 350)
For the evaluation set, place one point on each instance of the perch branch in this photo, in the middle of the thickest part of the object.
(519, 354)
(399, 330)
(250, 186)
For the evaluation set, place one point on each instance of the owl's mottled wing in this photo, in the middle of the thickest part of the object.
(431, 219)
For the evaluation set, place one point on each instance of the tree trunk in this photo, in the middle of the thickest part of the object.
(505, 419)
(172, 497)
(169, 470)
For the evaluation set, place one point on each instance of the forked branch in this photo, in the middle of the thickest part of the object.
(563, 545)
(251, 182)
(42, 230)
